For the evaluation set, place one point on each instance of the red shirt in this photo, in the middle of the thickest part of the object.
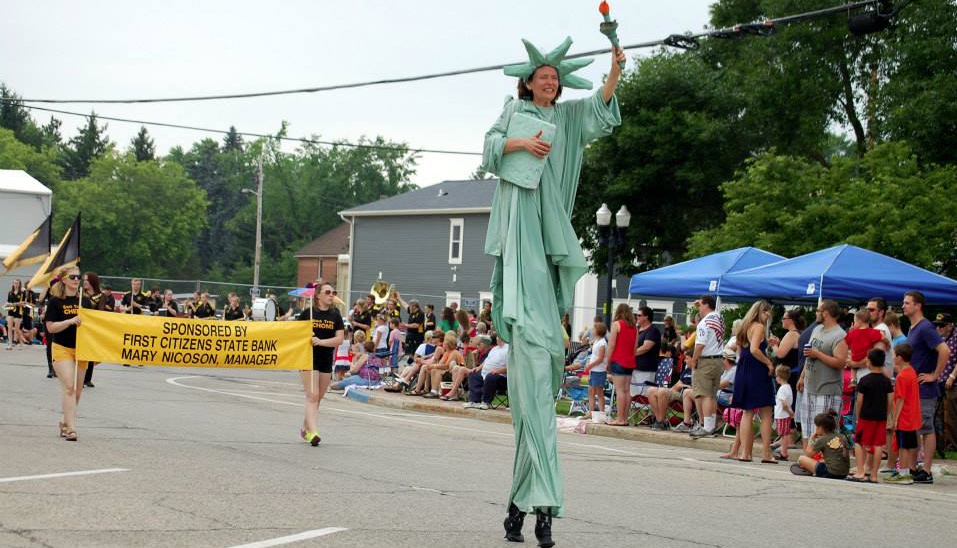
(624, 354)
(861, 341)
(907, 394)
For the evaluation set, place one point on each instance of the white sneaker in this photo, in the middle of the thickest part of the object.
(470, 405)
(482, 406)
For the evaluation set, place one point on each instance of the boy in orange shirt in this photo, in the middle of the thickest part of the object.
(906, 419)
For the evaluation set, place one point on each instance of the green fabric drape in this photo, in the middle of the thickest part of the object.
(538, 260)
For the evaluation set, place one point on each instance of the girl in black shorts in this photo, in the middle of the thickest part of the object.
(327, 332)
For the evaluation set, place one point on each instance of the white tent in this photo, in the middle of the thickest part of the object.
(24, 204)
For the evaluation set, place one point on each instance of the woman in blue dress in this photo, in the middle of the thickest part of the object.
(754, 381)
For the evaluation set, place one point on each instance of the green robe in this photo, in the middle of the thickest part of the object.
(538, 260)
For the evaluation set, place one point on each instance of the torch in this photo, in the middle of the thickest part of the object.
(609, 28)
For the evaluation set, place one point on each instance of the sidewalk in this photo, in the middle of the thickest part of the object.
(396, 400)
(719, 444)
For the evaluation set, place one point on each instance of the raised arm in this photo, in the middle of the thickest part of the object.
(611, 83)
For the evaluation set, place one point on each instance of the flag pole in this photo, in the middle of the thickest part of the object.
(312, 370)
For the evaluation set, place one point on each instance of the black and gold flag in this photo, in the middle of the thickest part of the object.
(33, 250)
(67, 254)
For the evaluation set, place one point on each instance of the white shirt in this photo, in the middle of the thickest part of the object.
(784, 395)
(710, 334)
(728, 375)
(496, 359)
(383, 330)
(889, 353)
(600, 343)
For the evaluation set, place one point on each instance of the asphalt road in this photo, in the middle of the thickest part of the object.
(195, 457)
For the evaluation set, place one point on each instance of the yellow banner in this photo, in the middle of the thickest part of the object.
(180, 342)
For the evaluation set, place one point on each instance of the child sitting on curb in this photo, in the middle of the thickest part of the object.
(835, 456)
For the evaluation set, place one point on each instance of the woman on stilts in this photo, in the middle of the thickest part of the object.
(62, 318)
(328, 330)
(531, 238)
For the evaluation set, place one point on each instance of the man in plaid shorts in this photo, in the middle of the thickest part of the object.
(823, 374)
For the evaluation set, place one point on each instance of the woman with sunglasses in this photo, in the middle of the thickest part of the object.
(62, 319)
(328, 330)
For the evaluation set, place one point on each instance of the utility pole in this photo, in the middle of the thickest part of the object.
(254, 290)
(259, 224)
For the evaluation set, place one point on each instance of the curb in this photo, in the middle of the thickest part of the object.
(632, 433)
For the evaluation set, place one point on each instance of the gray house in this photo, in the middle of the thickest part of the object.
(429, 243)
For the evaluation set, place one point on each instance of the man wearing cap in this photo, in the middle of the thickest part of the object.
(945, 328)
(930, 356)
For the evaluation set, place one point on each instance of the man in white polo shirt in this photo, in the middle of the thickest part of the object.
(706, 366)
(488, 381)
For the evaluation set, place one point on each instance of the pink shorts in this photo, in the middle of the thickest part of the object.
(782, 426)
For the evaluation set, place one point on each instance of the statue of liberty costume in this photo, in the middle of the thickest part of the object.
(538, 260)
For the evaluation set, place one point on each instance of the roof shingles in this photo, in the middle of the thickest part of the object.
(444, 196)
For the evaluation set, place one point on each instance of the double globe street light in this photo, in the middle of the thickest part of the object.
(611, 238)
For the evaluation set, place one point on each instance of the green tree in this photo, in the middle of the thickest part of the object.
(222, 177)
(51, 133)
(233, 142)
(917, 101)
(139, 217)
(14, 154)
(303, 193)
(88, 145)
(887, 201)
(16, 117)
(142, 146)
(680, 137)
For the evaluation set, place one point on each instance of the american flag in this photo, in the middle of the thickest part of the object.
(715, 323)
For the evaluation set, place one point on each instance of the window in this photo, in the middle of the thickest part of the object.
(456, 230)
(453, 297)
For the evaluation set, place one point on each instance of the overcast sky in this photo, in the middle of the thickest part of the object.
(121, 49)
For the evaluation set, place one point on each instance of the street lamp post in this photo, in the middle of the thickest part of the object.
(611, 238)
(254, 291)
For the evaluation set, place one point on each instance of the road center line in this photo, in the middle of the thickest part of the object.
(292, 538)
(63, 474)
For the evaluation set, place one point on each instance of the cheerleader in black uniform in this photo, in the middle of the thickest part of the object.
(14, 310)
(62, 319)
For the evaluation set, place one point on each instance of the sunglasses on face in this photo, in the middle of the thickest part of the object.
(74, 276)
(329, 292)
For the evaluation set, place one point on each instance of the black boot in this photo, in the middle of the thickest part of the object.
(543, 529)
(513, 524)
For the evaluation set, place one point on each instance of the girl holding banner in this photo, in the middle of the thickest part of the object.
(327, 333)
(62, 318)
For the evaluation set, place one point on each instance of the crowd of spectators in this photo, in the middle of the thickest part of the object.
(849, 383)
(453, 356)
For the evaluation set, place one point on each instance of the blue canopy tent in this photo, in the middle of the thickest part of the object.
(844, 273)
(700, 276)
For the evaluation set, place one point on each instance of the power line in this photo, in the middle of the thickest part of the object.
(256, 135)
(683, 41)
